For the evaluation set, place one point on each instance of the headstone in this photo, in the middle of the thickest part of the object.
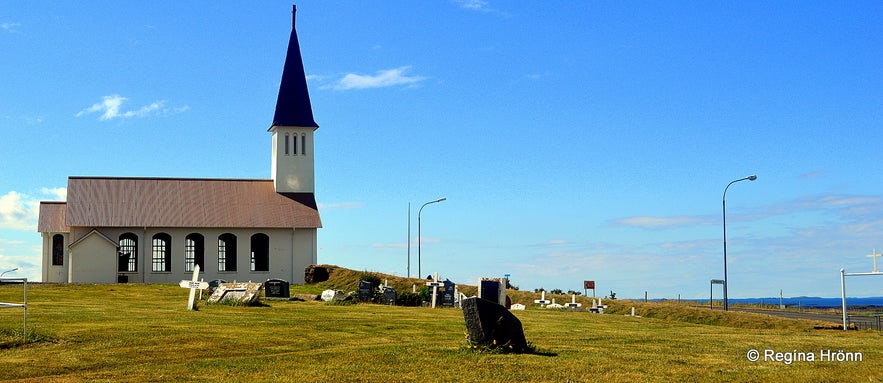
(388, 296)
(518, 306)
(435, 284)
(492, 325)
(328, 295)
(366, 291)
(447, 293)
(277, 288)
(242, 292)
(492, 289)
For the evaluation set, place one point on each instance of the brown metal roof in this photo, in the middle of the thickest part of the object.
(52, 217)
(185, 202)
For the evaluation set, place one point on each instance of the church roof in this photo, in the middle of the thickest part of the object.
(293, 106)
(185, 202)
(52, 217)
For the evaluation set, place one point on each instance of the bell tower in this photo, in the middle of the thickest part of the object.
(293, 126)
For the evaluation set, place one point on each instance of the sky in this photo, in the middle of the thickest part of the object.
(573, 141)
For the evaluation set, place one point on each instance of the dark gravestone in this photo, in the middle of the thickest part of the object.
(366, 291)
(447, 294)
(388, 296)
(277, 288)
(490, 290)
(491, 325)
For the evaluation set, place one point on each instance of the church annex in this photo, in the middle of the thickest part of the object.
(156, 230)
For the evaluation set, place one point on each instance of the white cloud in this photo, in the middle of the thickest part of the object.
(658, 222)
(475, 5)
(9, 27)
(383, 78)
(110, 108)
(18, 211)
(341, 205)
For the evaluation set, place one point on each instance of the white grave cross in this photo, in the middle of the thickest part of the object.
(573, 303)
(874, 255)
(193, 284)
(542, 301)
(434, 284)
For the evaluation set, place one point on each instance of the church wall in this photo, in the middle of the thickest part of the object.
(54, 273)
(91, 261)
(281, 263)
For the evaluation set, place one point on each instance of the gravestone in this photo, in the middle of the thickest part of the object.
(329, 295)
(242, 292)
(492, 289)
(366, 291)
(447, 293)
(277, 288)
(388, 296)
(492, 325)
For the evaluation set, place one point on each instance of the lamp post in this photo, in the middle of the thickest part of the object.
(419, 271)
(726, 285)
(8, 271)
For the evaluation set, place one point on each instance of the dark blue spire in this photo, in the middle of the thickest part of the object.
(293, 106)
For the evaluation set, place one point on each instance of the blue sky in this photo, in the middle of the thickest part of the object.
(573, 140)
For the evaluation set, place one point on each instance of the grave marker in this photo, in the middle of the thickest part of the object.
(277, 288)
(193, 284)
(435, 285)
(542, 301)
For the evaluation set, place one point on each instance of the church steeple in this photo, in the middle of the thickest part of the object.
(293, 126)
(293, 104)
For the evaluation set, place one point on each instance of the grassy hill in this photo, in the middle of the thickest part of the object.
(142, 333)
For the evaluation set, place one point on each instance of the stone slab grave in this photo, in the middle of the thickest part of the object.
(491, 325)
(365, 291)
(241, 292)
(277, 289)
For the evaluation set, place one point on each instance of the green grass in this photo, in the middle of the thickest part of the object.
(143, 333)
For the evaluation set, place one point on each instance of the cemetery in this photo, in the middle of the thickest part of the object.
(145, 332)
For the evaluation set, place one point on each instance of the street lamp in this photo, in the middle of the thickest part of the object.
(749, 178)
(419, 272)
(8, 271)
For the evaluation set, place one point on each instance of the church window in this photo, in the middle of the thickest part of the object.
(303, 144)
(227, 252)
(128, 253)
(260, 252)
(194, 252)
(57, 250)
(162, 252)
(286, 144)
(294, 141)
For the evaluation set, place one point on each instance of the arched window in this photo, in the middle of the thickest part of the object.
(128, 256)
(162, 252)
(260, 252)
(57, 250)
(194, 252)
(227, 252)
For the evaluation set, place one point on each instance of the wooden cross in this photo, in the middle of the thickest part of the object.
(193, 285)
(874, 256)
(434, 284)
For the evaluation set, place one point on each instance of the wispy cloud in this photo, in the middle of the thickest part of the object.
(382, 79)
(110, 108)
(20, 211)
(341, 205)
(9, 27)
(475, 5)
(649, 222)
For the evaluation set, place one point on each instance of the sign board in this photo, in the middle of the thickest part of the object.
(717, 282)
(589, 285)
(193, 285)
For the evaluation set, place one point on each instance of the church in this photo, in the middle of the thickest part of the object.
(156, 230)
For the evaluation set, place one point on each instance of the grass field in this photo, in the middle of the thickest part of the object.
(142, 333)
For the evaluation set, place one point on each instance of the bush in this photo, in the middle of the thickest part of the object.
(408, 299)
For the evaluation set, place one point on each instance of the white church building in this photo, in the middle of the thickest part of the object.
(156, 230)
